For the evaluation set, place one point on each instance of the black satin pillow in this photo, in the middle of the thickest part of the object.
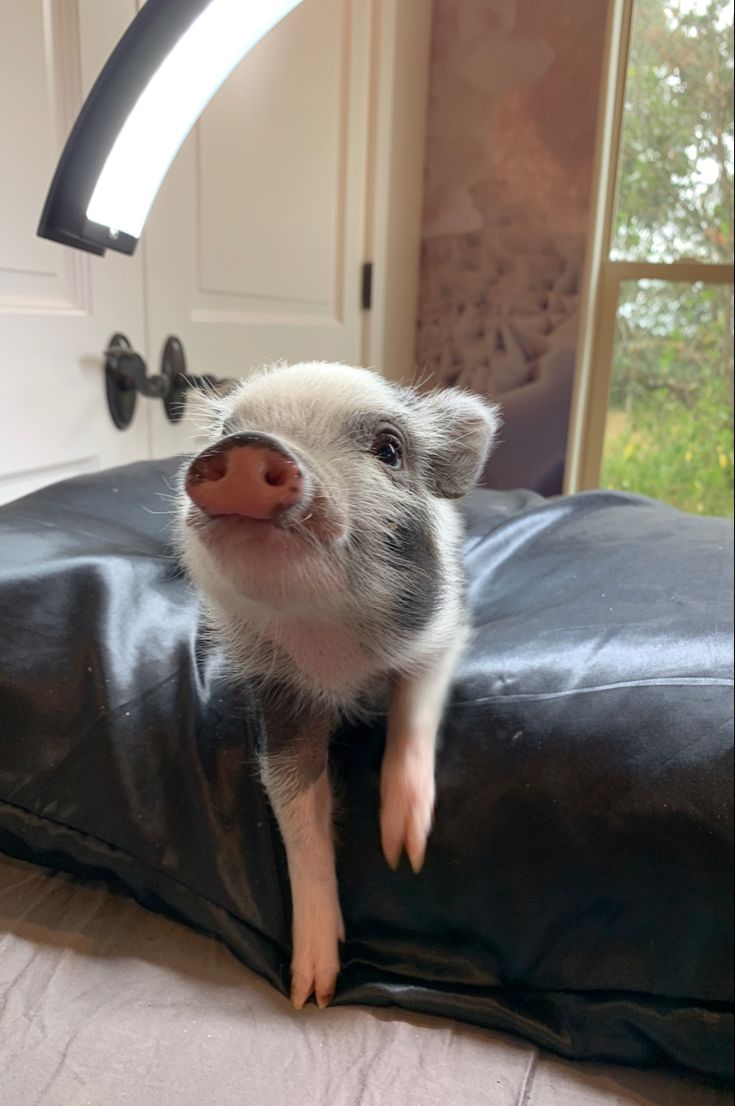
(578, 883)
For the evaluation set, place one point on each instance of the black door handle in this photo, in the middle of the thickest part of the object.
(126, 377)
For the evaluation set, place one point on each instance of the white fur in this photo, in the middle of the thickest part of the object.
(312, 604)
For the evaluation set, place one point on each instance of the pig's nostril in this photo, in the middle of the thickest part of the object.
(212, 467)
(281, 472)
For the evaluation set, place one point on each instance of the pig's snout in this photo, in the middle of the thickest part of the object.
(248, 476)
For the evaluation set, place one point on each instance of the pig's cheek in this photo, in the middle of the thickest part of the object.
(325, 521)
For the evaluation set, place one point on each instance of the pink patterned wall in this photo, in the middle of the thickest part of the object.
(511, 130)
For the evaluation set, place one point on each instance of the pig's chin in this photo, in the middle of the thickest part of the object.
(262, 561)
(233, 536)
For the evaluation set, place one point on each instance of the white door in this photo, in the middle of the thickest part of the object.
(307, 164)
(58, 307)
(254, 247)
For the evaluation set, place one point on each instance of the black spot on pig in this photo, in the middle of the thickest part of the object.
(415, 564)
(299, 751)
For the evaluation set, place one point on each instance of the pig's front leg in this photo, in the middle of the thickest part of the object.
(407, 777)
(294, 769)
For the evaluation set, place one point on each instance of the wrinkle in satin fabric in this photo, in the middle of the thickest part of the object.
(578, 883)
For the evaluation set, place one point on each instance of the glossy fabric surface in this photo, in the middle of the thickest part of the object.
(578, 883)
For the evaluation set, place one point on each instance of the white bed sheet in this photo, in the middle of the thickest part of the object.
(105, 1004)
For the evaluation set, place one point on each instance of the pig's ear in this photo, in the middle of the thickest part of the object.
(461, 428)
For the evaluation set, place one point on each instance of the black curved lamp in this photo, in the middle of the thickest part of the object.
(155, 85)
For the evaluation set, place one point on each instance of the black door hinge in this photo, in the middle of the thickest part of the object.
(367, 285)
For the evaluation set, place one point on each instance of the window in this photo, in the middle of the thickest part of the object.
(653, 410)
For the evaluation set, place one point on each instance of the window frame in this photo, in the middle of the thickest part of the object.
(603, 276)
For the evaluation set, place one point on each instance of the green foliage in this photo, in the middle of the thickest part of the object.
(670, 429)
(676, 173)
(659, 449)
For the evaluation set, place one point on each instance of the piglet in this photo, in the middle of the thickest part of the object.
(318, 526)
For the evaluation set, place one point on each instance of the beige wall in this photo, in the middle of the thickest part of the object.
(513, 100)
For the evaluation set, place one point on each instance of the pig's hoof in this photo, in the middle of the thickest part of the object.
(315, 963)
(407, 805)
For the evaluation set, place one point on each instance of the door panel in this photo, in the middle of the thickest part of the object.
(58, 307)
(254, 246)
(288, 163)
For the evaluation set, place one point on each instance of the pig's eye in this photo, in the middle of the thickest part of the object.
(388, 450)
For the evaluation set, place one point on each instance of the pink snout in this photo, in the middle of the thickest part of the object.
(250, 479)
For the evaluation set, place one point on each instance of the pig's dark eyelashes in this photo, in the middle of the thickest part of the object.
(388, 450)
